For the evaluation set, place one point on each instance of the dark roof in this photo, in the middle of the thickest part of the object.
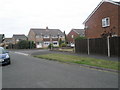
(79, 31)
(118, 3)
(47, 31)
(8, 39)
(1, 37)
(19, 36)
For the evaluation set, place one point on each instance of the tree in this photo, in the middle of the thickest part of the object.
(60, 42)
(50, 46)
(65, 38)
(24, 44)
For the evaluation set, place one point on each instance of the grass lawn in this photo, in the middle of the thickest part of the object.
(81, 60)
(68, 50)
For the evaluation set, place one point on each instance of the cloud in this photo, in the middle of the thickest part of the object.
(21, 15)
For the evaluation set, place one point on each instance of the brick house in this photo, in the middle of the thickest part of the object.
(73, 34)
(43, 37)
(104, 20)
(17, 37)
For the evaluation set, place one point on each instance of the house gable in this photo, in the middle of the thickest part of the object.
(73, 34)
(104, 1)
(94, 26)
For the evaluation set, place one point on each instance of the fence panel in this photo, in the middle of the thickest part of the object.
(98, 46)
(81, 46)
(114, 46)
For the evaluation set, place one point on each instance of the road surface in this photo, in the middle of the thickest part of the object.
(28, 72)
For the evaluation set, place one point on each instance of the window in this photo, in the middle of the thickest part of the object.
(46, 36)
(37, 43)
(72, 36)
(114, 35)
(37, 36)
(17, 40)
(61, 36)
(46, 43)
(54, 36)
(106, 22)
(55, 43)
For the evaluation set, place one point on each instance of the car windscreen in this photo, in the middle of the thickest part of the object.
(2, 51)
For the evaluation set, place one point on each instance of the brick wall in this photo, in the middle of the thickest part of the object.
(69, 36)
(31, 36)
(94, 23)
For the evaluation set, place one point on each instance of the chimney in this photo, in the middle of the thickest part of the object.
(47, 28)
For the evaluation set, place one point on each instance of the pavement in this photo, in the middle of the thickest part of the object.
(26, 71)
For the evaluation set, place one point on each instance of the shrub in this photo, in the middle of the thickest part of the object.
(79, 38)
(50, 46)
(24, 44)
(63, 45)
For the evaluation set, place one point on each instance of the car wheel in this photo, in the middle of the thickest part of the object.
(9, 62)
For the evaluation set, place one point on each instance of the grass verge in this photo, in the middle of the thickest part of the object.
(68, 50)
(81, 60)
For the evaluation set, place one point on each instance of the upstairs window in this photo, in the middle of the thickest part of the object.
(46, 36)
(54, 36)
(37, 36)
(72, 36)
(106, 22)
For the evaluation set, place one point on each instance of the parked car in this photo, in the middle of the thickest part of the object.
(4, 57)
(72, 45)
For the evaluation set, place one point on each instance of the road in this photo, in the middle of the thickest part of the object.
(29, 72)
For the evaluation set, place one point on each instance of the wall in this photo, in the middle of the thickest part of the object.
(69, 36)
(99, 46)
(94, 23)
(31, 36)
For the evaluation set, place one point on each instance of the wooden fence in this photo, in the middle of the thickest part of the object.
(102, 46)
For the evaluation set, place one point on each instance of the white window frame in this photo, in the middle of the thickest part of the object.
(17, 40)
(72, 36)
(54, 36)
(57, 43)
(37, 36)
(61, 36)
(46, 36)
(106, 22)
(46, 43)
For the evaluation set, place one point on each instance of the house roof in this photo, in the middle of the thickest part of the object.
(19, 36)
(79, 31)
(1, 37)
(8, 39)
(109, 1)
(47, 31)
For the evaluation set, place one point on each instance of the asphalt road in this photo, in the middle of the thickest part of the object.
(29, 72)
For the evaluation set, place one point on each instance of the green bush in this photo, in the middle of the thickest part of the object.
(24, 44)
(79, 38)
(50, 46)
(63, 45)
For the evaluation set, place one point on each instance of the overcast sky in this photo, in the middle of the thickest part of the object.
(18, 16)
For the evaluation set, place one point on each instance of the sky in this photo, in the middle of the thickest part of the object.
(18, 16)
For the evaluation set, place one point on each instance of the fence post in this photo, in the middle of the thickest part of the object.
(88, 46)
(108, 45)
